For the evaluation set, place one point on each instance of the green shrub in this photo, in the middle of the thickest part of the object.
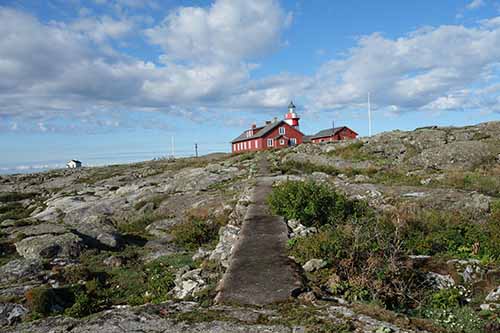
(83, 306)
(195, 233)
(46, 301)
(312, 204)
(446, 298)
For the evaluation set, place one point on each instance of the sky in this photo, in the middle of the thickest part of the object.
(113, 81)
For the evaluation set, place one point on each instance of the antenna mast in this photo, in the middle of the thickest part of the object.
(173, 146)
(369, 116)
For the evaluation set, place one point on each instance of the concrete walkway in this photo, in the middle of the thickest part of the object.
(260, 272)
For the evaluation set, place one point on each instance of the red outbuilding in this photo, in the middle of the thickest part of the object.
(275, 134)
(333, 134)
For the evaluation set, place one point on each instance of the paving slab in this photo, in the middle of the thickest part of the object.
(260, 271)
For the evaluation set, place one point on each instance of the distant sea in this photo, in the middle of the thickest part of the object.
(89, 160)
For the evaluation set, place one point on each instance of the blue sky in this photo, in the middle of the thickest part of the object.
(111, 81)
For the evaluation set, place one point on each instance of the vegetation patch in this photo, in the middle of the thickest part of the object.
(194, 233)
(15, 196)
(486, 182)
(367, 250)
(352, 152)
(312, 204)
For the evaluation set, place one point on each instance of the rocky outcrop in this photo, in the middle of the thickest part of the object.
(19, 269)
(11, 313)
(50, 246)
(228, 235)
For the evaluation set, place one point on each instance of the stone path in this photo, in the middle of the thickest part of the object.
(260, 271)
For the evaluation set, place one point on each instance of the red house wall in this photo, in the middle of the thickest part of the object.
(249, 145)
(346, 133)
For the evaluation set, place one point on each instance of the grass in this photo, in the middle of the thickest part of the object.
(482, 181)
(132, 283)
(6, 197)
(352, 152)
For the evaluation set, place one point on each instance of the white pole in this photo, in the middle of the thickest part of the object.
(173, 147)
(369, 116)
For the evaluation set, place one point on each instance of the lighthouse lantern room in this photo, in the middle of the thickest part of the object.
(291, 118)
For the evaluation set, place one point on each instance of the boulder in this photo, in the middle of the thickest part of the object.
(50, 246)
(18, 269)
(11, 313)
(43, 229)
(440, 281)
(97, 231)
(494, 295)
(228, 235)
(188, 283)
(314, 264)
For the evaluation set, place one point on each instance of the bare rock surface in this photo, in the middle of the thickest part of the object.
(50, 246)
(20, 269)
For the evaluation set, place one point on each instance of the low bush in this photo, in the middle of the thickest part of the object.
(312, 203)
(46, 301)
(194, 233)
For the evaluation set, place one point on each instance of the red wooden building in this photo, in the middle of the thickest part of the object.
(333, 134)
(285, 133)
(275, 134)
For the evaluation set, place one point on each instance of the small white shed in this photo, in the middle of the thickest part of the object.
(74, 164)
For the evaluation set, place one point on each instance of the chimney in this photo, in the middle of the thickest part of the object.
(254, 126)
(268, 122)
(275, 119)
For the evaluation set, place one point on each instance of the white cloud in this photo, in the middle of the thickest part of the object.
(474, 4)
(416, 71)
(229, 30)
(53, 70)
(101, 28)
(70, 70)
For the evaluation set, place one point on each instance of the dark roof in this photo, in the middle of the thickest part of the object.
(262, 131)
(329, 132)
(291, 105)
(76, 161)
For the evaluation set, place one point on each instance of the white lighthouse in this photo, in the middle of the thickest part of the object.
(291, 118)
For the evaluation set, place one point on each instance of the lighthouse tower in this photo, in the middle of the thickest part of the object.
(291, 118)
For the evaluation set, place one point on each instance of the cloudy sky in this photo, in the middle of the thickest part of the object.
(109, 81)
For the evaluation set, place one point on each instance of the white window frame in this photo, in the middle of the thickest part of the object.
(245, 145)
(270, 142)
(257, 144)
(282, 130)
(293, 141)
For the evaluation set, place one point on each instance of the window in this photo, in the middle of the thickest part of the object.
(282, 142)
(282, 130)
(293, 141)
(256, 144)
(244, 145)
(270, 142)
